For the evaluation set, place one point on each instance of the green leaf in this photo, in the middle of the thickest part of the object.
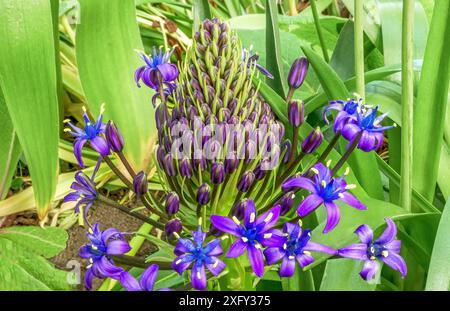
(429, 109)
(28, 80)
(300, 281)
(201, 11)
(439, 270)
(47, 242)
(273, 53)
(9, 154)
(22, 269)
(107, 38)
(343, 274)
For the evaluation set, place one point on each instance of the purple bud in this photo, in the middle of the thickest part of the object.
(160, 156)
(250, 151)
(259, 173)
(200, 163)
(296, 113)
(246, 181)
(186, 168)
(173, 226)
(140, 183)
(113, 137)
(286, 202)
(203, 194)
(172, 203)
(214, 231)
(238, 209)
(286, 149)
(169, 165)
(217, 173)
(297, 73)
(313, 141)
(231, 163)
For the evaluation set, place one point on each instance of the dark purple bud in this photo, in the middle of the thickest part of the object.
(186, 168)
(296, 113)
(297, 73)
(238, 209)
(313, 141)
(286, 202)
(160, 156)
(250, 151)
(113, 137)
(215, 232)
(231, 163)
(246, 181)
(286, 147)
(259, 172)
(203, 194)
(217, 173)
(140, 183)
(173, 226)
(169, 165)
(172, 203)
(200, 163)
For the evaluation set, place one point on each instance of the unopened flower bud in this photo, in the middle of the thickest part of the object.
(140, 183)
(217, 173)
(297, 73)
(172, 203)
(203, 194)
(286, 149)
(296, 113)
(173, 226)
(286, 202)
(312, 141)
(113, 137)
(231, 163)
(186, 168)
(246, 181)
(169, 165)
(239, 209)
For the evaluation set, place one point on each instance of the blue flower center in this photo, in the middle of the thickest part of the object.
(375, 250)
(294, 245)
(350, 107)
(328, 191)
(90, 130)
(366, 122)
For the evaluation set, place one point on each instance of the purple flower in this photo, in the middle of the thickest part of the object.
(367, 123)
(253, 234)
(252, 61)
(172, 203)
(297, 73)
(85, 192)
(146, 282)
(157, 67)
(102, 244)
(347, 112)
(193, 252)
(173, 226)
(386, 249)
(91, 133)
(296, 246)
(324, 190)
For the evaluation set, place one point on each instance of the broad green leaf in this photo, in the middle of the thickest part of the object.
(28, 80)
(439, 271)
(363, 164)
(432, 95)
(107, 38)
(444, 171)
(300, 281)
(22, 269)
(47, 242)
(9, 154)
(273, 46)
(201, 11)
(343, 274)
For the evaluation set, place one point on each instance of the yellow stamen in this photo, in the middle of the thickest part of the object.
(199, 221)
(244, 239)
(284, 246)
(350, 186)
(84, 108)
(236, 221)
(94, 247)
(384, 253)
(67, 130)
(300, 222)
(307, 252)
(224, 237)
(324, 183)
(176, 235)
(89, 266)
(216, 264)
(328, 163)
(267, 235)
(347, 170)
(269, 217)
(178, 261)
(66, 121)
(394, 125)
(341, 195)
(199, 276)
(102, 108)
(314, 170)
(252, 217)
(372, 257)
(90, 231)
(258, 246)
(291, 257)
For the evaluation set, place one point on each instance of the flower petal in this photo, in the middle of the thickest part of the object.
(198, 277)
(237, 248)
(351, 200)
(225, 224)
(365, 234)
(388, 234)
(108, 269)
(287, 268)
(304, 260)
(129, 282)
(213, 248)
(354, 251)
(309, 204)
(256, 258)
(276, 239)
(169, 72)
(369, 269)
(148, 277)
(88, 276)
(250, 209)
(270, 218)
(117, 247)
(333, 216)
(183, 246)
(316, 247)
(298, 182)
(216, 267)
(78, 149)
(100, 145)
(396, 262)
(274, 254)
(393, 246)
(181, 263)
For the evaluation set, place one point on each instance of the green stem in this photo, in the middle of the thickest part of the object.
(330, 146)
(294, 145)
(118, 173)
(347, 153)
(319, 29)
(292, 7)
(359, 47)
(126, 164)
(407, 103)
(139, 262)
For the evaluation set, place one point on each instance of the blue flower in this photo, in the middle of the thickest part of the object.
(102, 244)
(252, 61)
(369, 124)
(347, 112)
(255, 233)
(85, 192)
(296, 246)
(193, 252)
(386, 249)
(146, 282)
(92, 133)
(157, 67)
(324, 190)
